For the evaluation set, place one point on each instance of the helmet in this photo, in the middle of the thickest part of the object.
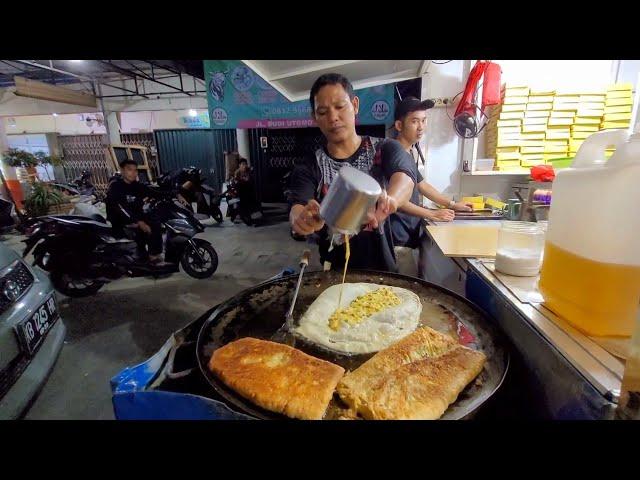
(192, 173)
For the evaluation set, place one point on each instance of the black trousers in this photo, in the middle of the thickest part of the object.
(247, 195)
(151, 241)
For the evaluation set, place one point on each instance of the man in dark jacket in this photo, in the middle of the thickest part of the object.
(125, 199)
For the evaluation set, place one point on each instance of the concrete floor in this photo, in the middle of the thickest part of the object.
(130, 319)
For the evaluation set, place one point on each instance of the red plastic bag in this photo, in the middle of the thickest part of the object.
(543, 173)
(490, 73)
(491, 85)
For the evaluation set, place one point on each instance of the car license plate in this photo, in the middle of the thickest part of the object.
(34, 329)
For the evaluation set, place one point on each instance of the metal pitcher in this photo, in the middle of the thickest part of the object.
(351, 195)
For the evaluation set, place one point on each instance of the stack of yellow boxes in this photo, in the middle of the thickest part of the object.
(588, 117)
(504, 130)
(617, 108)
(558, 135)
(535, 124)
(589, 111)
(532, 127)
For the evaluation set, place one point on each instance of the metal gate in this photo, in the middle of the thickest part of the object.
(285, 148)
(86, 152)
(198, 147)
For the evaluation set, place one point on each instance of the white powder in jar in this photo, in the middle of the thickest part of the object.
(519, 262)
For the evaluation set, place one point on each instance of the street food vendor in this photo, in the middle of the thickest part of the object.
(334, 107)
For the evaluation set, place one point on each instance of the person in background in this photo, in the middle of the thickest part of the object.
(246, 190)
(124, 202)
(242, 173)
(407, 224)
(334, 107)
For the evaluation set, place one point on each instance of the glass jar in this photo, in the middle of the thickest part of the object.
(520, 248)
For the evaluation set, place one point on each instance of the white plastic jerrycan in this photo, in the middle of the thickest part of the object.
(591, 269)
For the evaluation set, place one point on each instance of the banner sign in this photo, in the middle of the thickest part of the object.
(199, 121)
(239, 98)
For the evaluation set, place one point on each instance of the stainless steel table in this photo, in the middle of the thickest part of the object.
(562, 373)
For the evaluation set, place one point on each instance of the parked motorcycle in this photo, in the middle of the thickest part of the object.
(80, 186)
(81, 254)
(206, 199)
(233, 201)
(248, 211)
(214, 200)
(8, 216)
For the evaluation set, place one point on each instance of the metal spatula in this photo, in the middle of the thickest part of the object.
(281, 335)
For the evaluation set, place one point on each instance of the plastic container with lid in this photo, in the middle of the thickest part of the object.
(591, 269)
(520, 247)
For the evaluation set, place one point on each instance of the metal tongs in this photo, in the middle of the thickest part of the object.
(282, 334)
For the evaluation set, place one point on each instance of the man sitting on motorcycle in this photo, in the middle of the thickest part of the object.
(187, 185)
(125, 199)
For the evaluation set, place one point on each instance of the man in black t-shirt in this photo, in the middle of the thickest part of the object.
(125, 198)
(407, 224)
(334, 107)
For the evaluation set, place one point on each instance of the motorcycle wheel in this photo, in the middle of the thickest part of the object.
(191, 263)
(70, 287)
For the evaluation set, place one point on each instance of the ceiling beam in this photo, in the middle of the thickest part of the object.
(370, 82)
(146, 77)
(162, 66)
(44, 67)
(260, 72)
(136, 92)
(136, 68)
(63, 72)
(13, 66)
(123, 71)
(384, 79)
(151, 94)
(310, 69)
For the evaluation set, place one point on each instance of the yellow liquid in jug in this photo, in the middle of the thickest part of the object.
(599, 299)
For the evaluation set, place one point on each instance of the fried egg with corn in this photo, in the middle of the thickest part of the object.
(371, 317)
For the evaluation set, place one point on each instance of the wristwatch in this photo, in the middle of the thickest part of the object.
(452, 203)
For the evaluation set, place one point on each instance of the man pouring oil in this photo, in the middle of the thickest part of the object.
(334, 107)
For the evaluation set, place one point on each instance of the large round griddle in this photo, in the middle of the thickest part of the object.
(259, 311)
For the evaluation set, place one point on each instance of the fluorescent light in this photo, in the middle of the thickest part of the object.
(76, 61)
(193, 113)
(54, 114)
